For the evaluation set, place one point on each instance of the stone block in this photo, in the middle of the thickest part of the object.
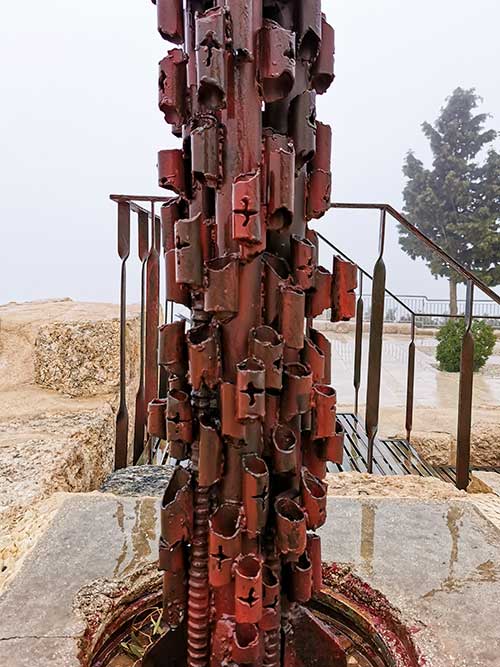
(435, 561)
(82, 358)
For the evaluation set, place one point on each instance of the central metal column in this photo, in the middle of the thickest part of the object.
(249, 415)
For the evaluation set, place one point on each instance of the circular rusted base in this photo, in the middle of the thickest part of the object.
(361, 624)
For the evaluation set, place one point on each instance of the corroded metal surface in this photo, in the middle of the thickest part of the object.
(248, 413)
(240, 391)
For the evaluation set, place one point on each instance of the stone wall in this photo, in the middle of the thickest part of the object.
(58, 398)
(439, 448)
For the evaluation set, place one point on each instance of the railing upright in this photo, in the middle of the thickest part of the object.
(149, 242)
(121, 437)
(465, 394)
(375, 346)
(358, 345)
(140, 405)
(152, 312)
(410, 384)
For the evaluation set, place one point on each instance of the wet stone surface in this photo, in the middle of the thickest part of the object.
(93, 536)
(438, 562)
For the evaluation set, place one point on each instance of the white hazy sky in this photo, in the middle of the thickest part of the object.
(79, 120)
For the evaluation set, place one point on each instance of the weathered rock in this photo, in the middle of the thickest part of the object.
(434, 446)
(146, 480)
(50, 442)
(487, 482)
(83, 358)
(439, 448)
(485, 445)
(20, 324)
(43, 455)
(408, 486)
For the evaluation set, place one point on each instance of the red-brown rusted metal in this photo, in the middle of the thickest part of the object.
(140, 407)
(244, 399)
(121, 440)
(172, 86)
(343, 290)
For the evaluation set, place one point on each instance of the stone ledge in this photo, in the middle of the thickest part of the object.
(357, 484)
(435, 561)
(439, 448)
(146, 480)
(40, 456)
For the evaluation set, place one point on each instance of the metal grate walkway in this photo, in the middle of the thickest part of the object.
(390, 457)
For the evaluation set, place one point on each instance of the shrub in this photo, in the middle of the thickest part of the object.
(449, 348)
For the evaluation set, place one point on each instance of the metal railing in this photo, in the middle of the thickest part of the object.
(378, 298)
(430, 312)
(151, 244)
(484, 308)
(358, 346)
(149, 247)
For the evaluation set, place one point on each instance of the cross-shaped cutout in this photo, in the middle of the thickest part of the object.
(211, 43)
(252, 392)
(262, 495)
(246, 211)
(220, 557)
(251, 599)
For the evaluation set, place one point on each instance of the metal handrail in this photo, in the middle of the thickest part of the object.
(364, 272)
(149, 251)
(426, 298)
(399, 217)
(358, 351)
(376, 335)
(149, 242)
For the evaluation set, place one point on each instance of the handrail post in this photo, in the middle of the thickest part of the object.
(465, 394)
(140, 407)
(152, 312)
(410, 384)
(375, 347)
(358, 345)
(121, 436)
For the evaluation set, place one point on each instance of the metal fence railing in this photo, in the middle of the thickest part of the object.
(415, 310)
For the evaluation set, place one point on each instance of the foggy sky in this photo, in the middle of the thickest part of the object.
(79, 121)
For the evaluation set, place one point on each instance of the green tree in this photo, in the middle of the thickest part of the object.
(457, 202)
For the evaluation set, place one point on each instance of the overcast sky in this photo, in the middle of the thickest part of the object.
(79, 120)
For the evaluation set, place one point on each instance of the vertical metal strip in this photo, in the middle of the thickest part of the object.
(163, 371)
(358, 345)
(121, 439)
(465, 394)
(410, 382)
(140, 405)
(152, 314)
(375, 347)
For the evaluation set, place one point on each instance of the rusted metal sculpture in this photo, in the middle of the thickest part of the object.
(241, 394)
